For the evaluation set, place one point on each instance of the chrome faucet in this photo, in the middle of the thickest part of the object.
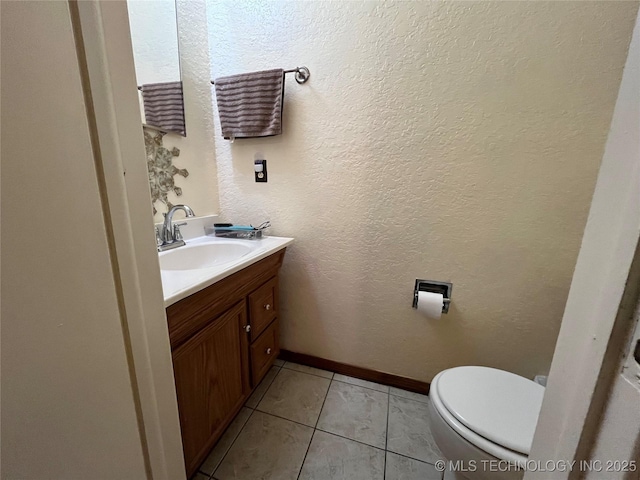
(169, 236)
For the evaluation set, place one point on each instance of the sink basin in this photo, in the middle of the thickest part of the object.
(194, 257)
(205, 260)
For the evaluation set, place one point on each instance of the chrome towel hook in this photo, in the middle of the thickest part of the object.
(302, 74)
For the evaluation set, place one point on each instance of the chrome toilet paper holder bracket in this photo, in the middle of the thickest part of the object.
(435, 287)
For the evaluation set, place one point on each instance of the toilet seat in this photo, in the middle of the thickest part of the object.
(494, 410)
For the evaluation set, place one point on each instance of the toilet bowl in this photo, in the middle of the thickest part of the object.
(483, 421)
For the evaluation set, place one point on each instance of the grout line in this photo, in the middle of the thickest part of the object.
(234, 440)
(265, 390)
(282, 418)
(384, 466)
(388, 387)
(315, 426)
(411, 458)
(322, 407)
(412, 399)
(231, 446)
(309, 373)
(305, 454)
(361, 386)
(268, 386)
(351, 440)
(386, 437)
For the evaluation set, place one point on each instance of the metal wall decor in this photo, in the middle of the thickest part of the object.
(161, 169)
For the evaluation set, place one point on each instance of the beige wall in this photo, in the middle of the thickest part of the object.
(599, 310)
(441, 140)
(197, 154)
(68, 408)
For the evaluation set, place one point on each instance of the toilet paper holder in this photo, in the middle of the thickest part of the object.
(435, 287)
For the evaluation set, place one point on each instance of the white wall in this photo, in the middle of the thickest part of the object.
(599, 283)
(440, 140)
(154, 36)
(68, 408)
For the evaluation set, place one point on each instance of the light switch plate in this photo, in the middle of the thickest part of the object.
(261, 176)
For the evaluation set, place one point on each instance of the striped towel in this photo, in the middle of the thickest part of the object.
(250, 104)
(164, 106)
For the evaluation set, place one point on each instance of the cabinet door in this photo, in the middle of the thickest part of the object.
(212, 382)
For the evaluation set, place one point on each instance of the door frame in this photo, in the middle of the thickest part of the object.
(603, 293)
(105, 55)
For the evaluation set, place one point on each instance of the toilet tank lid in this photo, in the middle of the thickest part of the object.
(500, 406)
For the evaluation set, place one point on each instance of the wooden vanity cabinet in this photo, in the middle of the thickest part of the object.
(224, 339)
(210, 381)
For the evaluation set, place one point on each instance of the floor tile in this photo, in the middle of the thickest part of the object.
(200, 476)
(278, 362)
(418, 397)
(409, 430)
(262, 388)
(355, 412)
(225, 442)
(403, 468)
(268, 448)
(361, 383)
(336, 458)
(451, 475)
(305, 369)
(295, 396)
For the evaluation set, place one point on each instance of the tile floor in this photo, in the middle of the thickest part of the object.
(303, 423)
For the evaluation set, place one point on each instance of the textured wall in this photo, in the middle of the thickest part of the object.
(200, 188)
(154, 37)
(441, 140)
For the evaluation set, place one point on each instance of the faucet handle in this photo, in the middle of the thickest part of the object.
(158, 237)
(177, 235)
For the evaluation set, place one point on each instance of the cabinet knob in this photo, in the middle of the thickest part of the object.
(268, 351)
(247, 328)
(267, 307)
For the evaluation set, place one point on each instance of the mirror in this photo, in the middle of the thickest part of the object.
(154, 37)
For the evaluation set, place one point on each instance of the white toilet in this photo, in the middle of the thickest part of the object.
(484, 419)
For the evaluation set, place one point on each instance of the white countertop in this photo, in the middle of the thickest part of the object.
(179, 284)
